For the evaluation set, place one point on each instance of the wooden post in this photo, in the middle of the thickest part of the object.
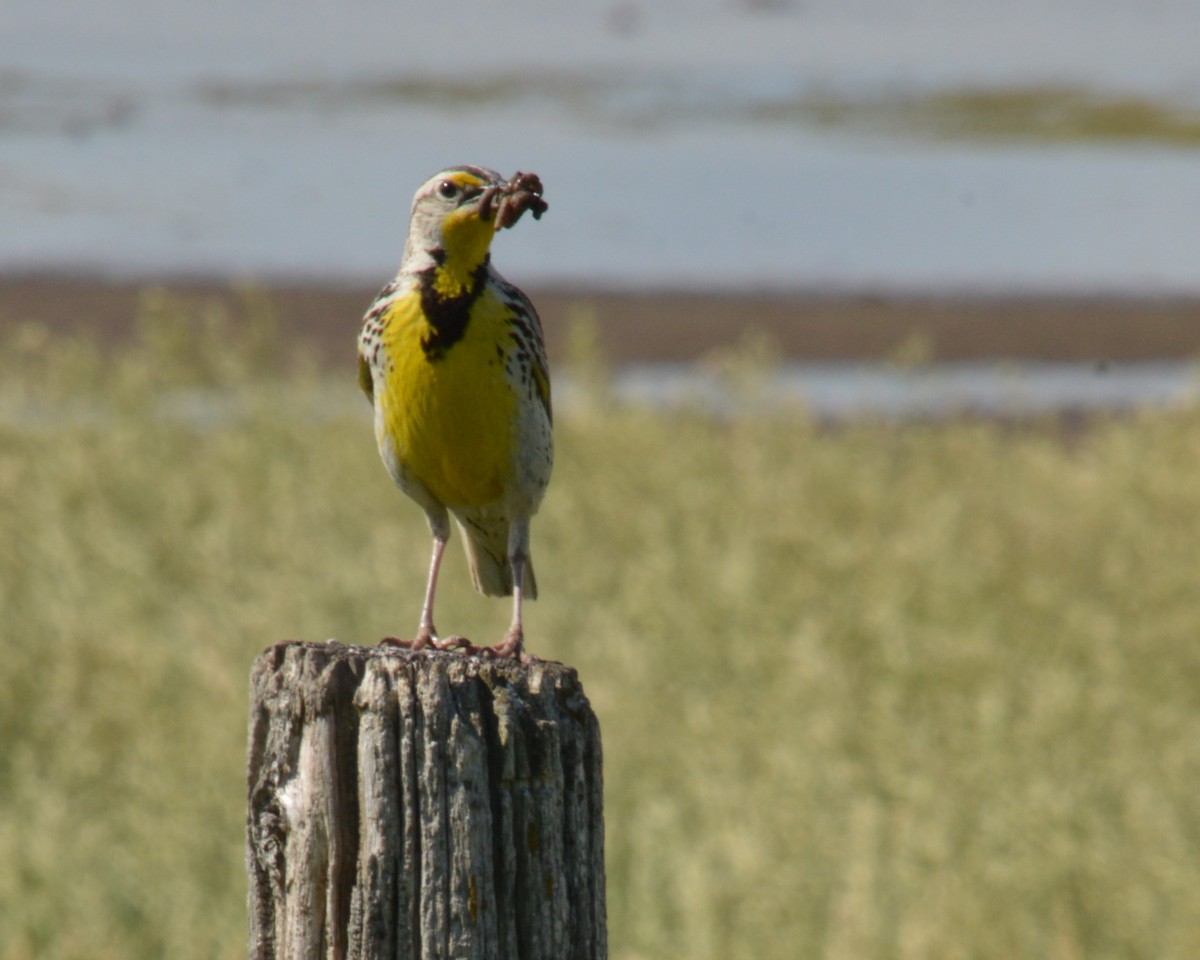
(422, 805)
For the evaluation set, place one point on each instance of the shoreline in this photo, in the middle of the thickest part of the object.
(652, 326)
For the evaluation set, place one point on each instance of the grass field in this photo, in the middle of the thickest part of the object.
(884, 691)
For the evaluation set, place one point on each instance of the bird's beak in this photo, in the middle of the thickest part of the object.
(508, 201)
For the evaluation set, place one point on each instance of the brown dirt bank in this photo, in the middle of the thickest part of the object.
(667, 325)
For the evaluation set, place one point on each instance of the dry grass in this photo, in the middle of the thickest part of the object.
(887, 691)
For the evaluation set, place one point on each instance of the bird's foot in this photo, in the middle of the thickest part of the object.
(512, 647)
(426, 639)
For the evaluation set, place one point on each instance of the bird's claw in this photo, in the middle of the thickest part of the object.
(429, 640)
(512, 647)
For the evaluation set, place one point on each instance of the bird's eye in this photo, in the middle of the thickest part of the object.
(448, 189)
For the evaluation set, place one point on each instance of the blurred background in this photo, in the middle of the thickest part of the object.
(941, 144)
(872, 532)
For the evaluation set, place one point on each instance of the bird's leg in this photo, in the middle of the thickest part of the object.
(513, 644)
(426, 631)
(427, 635)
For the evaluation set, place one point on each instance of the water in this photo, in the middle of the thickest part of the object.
(845, 391)
(678, 141)
(831, 392)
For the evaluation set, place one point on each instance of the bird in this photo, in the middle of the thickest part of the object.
(453, 360)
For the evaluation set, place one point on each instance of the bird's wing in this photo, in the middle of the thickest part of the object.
(365, 381)
(526, 319)
(374, 319)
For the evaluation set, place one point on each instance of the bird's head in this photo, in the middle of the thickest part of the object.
(455, 214)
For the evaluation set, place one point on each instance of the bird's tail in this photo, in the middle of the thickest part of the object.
(486, 540)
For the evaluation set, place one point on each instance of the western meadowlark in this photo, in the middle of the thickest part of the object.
(452, 358)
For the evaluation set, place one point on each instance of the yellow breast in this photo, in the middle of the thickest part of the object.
(450, 418)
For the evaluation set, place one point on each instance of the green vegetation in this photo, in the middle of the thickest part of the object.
(1046, 113)
(1034, 114)
(1058, 114)
(877, 692)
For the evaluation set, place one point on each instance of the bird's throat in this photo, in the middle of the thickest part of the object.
(448, 314)
(465, 242)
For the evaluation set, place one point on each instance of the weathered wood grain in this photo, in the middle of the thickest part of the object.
(427, 805)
